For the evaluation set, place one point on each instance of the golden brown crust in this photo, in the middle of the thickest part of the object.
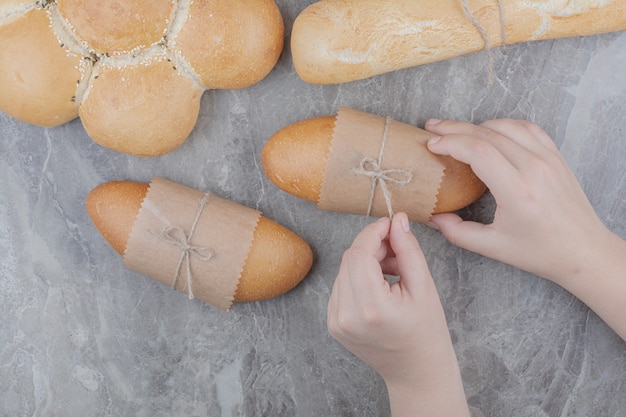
(294, 159)
(133, 71)
(459, 186)
(113, 208)
(228, 43)
(341, 41)
(278, 259)
(115, 26)
(145, 110)
(38, 78)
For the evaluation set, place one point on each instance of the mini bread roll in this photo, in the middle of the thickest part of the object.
(277, 261)
(127, 102)
(133, 71)
(117, 27)
(231, 44)
(295, 157)
(38, 78)
(335, 41)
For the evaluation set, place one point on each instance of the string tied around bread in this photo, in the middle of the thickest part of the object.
(483, 33)
(371, 168)
(177, 237)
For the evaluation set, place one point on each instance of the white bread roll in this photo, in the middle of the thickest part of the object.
(38, 79)
(134, 71)
(278, 259)
(163, 113)
(335, 41)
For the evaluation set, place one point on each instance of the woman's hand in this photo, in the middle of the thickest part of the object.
(399, 329)
(543, 222)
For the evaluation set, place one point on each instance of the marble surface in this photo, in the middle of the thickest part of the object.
(82, 336)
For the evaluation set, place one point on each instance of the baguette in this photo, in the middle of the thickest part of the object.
(133, 71)
(295, 157)
(336, 41)
(277, 261)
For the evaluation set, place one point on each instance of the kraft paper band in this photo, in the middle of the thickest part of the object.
(404, 176)
(192, 241)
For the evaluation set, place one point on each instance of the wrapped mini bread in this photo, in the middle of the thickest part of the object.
(335, 41)
(210, 248)
(133, 70)
(365, 164)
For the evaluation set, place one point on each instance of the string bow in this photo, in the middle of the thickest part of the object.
(177, 237)
(370, 167)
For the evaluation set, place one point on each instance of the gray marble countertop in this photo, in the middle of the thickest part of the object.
(82, 336)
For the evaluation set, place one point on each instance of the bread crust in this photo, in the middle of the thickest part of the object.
(278, 259)
(38, 78)
(295, 159)
(144, 60)
(228, 43)
(117, 27)
(336, 41)
(144, 110)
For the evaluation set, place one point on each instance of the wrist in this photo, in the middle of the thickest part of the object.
(577, 256)
(599, 278)
(601, 252)
(440, 394)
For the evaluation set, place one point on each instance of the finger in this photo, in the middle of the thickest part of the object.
(540, 135)
(389, 266)
(412, 267)
(515, 153)
(486, 161)
(473, 236)
(371, 239)
(360, 272)
(524, 133)
(365, 276)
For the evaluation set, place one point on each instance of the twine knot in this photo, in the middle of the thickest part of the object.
(370, 167)
(176, 236)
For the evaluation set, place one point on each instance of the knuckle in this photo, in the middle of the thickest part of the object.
(527, 124)
(499, 123)
(343, 325)
(353, 255)
(483, 131)
(350, 324)
(371, 318)
(333, 327)
(538, 167)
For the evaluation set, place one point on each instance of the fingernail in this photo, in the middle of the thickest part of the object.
(433, 122)
(434, 140)
(382, 219)
(404, 222)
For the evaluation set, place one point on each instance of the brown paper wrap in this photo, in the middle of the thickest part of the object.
(369, 153)
(179, 227)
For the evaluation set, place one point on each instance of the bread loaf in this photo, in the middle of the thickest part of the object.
(277, 261)
(295, 157)
(335, 41)
(134, 71)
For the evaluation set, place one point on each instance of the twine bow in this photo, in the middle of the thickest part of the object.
(176, 236)
(370, 167)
